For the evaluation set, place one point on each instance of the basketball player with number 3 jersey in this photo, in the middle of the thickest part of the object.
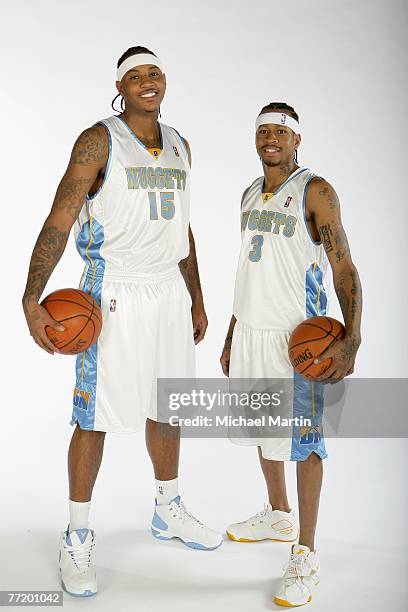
(291, 232)
(127, 189)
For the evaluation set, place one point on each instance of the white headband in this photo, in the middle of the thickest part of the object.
(278, 119)
(139, 59)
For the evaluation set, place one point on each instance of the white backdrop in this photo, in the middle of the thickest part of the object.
(342, 66)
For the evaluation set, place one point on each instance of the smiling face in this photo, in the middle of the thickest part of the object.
(276, 144)
(143, 87)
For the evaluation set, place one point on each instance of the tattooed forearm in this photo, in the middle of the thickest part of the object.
(91, 146)
(348, 290)
(189, 270)
(47, 252)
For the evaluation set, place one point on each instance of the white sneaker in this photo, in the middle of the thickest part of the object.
(78, 576)
(300, 578)
(265, 525)
(174, 521)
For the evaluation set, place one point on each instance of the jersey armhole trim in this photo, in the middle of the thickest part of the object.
(183, 144)
(304, 210)
(108, 163)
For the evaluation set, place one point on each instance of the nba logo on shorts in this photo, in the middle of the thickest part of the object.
(112, 305)
(283, 119)
(176, 152)
(288, 201)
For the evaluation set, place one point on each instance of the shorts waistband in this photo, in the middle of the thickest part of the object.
(132, 277)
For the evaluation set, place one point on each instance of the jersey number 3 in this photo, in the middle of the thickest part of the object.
(167, 209)
(256, 253)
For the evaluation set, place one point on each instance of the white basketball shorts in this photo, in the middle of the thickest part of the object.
(263, 354)
(147, 333)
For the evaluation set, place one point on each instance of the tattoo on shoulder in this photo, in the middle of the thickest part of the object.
(327, 192)
(91, 146)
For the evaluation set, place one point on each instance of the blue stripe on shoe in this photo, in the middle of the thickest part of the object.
(86, 593)
(158, 522)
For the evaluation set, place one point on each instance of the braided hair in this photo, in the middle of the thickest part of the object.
(131, 51)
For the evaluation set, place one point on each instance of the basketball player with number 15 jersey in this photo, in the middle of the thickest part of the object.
(291, 231)
(127, 188)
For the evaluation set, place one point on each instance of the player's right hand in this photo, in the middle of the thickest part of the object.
(225, 359)
(37, 320)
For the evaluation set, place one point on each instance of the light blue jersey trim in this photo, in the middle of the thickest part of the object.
(131, 132)
(89, 243)
(290, 178)
(108, 163)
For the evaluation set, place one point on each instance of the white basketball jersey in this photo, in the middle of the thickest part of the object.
(137, 222)
(282, 272)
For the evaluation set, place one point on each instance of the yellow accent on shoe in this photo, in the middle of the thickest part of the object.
(232, 537)
(287, 604)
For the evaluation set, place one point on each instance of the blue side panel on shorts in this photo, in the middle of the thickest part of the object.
(307, 404)
(308, 396)
(316, 298)
(89, 242)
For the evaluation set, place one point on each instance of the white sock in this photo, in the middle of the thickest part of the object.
(166, 490)
(78, 514)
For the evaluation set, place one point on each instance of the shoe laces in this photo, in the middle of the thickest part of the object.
(81, 554)
(184, 515)
(258, 515)
(296, 567)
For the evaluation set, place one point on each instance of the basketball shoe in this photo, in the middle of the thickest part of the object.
(267, 524)
(173, 520)
(77, 573)
(300, 578)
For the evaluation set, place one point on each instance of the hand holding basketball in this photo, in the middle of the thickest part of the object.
(320, 350)
(38, 318)
(81, 317)
(342, 355)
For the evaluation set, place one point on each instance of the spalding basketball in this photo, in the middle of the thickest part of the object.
(308, 340)
(81, 316)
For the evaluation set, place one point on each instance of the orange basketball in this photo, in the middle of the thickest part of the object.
(79, 314)
(308, 340)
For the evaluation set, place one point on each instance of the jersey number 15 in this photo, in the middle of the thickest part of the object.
(167, 208)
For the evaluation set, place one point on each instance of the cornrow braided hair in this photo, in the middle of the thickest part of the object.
(282, 106)
(131, 51)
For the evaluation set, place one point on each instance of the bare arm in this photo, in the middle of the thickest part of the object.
(322, 204)
(88, 158)
(189, 271)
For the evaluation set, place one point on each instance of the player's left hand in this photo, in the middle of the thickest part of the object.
(200, 321)
(343, 354)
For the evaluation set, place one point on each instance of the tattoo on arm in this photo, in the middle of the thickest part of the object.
(189, 270)
(326, 236)
(71, 194)
(91, 146)
(47, 252)
(348, 290)
(330, 196)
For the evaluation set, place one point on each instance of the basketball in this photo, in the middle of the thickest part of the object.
(81, 316)
(308, 340)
